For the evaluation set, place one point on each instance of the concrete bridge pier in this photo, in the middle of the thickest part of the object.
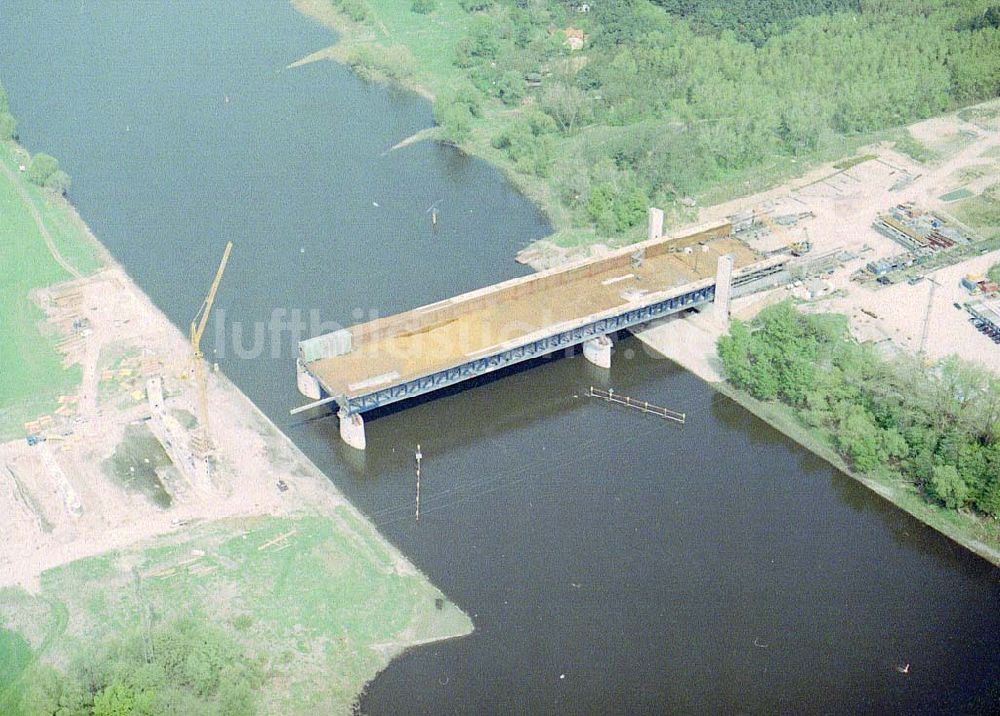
(723, 289)
(654, 223)
(352, 430)
(307, 383)
(598, 351)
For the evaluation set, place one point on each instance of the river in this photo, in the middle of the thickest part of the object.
(610, 562)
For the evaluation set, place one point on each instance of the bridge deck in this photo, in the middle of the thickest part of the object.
(400, 348)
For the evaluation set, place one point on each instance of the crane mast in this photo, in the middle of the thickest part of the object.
(198, 324)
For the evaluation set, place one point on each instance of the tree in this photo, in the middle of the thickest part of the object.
(475, 5)
(423, 7)
(454, 118)
(734, 350)
(236, 697)
(994, 273)
(509, 87)
(8, 126)
(58, 181)
(527, 144)
(947, 485)
(479, 45)
(117, 699)
(565, 104)
(40, 168)
(989, 500)
(858, 438)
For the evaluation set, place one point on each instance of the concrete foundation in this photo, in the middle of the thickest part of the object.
(598, 351)
(654, 225)
(352, 430)
(308, 385)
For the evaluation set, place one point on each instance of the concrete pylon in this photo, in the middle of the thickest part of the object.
(352, 430)
(598, 351)
(723, 288)
(654, 223)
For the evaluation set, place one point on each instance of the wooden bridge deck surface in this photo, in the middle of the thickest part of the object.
(398, 357)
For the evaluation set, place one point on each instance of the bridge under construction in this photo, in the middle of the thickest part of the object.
(390, 359)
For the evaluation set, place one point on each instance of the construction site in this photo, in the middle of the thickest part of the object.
(138, 423)
(888, 241)
(154, 443)
(152, 418)
(159, 487)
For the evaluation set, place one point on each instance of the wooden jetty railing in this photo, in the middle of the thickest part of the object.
(641, 405)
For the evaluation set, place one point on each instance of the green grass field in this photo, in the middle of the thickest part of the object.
(430, 38)
(32, 376)
(981, 213)
(319, 599)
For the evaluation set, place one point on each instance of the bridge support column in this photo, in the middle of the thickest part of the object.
(308, 385)
(654, 223)
(352, 430)
(598, 351)
(723, 288)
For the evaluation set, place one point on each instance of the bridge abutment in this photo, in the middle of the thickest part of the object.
(352, 430)
(598, 351)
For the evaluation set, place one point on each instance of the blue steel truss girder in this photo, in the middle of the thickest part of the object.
(543, 346)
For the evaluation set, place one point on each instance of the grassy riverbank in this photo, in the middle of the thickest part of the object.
(33, 377)
(293, 598)
(394, 45)
(924, 436)
(974, 532)
(319, 603)
(597, 112)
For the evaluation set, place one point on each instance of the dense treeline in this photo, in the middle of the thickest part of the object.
(936, 427)
(656, 105)
(753, 20)
(187, 668)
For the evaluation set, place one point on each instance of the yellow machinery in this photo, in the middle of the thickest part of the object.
(197, 329)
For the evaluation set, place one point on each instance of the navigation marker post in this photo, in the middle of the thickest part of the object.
(418, 455)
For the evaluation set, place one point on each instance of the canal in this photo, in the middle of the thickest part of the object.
(611, 562)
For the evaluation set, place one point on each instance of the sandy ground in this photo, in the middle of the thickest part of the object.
(56, 502)
(844, 205)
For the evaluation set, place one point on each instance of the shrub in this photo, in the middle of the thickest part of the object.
(58, 181)
(354, 9)
(8, 126)
(41, 167)
(475, 5)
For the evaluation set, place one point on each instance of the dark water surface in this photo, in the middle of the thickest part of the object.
(610, 562)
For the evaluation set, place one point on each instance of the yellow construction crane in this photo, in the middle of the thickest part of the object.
(197, 329)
